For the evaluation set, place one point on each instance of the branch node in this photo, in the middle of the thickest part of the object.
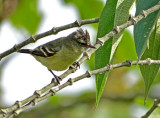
(116, 29)
(88, 73)
(34, 101)
(133, 20)
(149, 61)
(4, 112)
(15, 113)
(100, 41)
(130, 17)
(71, 81)
(15, 47)
(75, 65)
(33, 38)
(55, 81)
(109, 67)
(87, 55)
(37, 93)
(54, 30)
(156, 102)
(143, 13)
(129, 63)
(53, 92)
(72, 68)
(78, 22)
(18, 103)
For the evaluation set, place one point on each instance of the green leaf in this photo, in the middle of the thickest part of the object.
(90, 62)
(102, 55)
(108, 20)
(140, 101)
(87, 8)
(26, 16)
(121, 16)
(143, 28)
(149, 72)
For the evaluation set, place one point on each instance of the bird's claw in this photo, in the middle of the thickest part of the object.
(57, 78)
(75, 65)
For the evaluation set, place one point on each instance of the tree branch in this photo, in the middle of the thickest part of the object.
(54, 30)
(154, 106)
(36, 96)
(87, 74)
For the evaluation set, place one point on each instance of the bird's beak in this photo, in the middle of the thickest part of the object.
(91, 46)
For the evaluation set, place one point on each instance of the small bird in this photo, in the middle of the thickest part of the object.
(60, 53)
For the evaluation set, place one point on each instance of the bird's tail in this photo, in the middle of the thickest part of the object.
(25, 51)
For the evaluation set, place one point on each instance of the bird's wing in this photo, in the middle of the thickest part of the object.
(45, 50)
(48, 49)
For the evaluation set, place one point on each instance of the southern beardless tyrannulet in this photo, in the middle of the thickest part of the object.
(60, 53)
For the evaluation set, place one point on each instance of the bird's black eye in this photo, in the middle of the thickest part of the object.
(84, 38)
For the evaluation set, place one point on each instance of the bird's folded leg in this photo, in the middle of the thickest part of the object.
(57, 78)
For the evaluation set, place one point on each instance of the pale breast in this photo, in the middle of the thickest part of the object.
(61, 60)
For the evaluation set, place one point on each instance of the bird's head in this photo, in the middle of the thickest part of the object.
(82, 38)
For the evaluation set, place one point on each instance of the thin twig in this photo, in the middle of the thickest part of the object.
(86, 56)
(154, 106)
(87, 74)
(54, 30)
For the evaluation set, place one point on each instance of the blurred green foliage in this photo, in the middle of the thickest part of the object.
(26, 16)
(81, 106)
(126, 48)
(87, 8)
(22, 14)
